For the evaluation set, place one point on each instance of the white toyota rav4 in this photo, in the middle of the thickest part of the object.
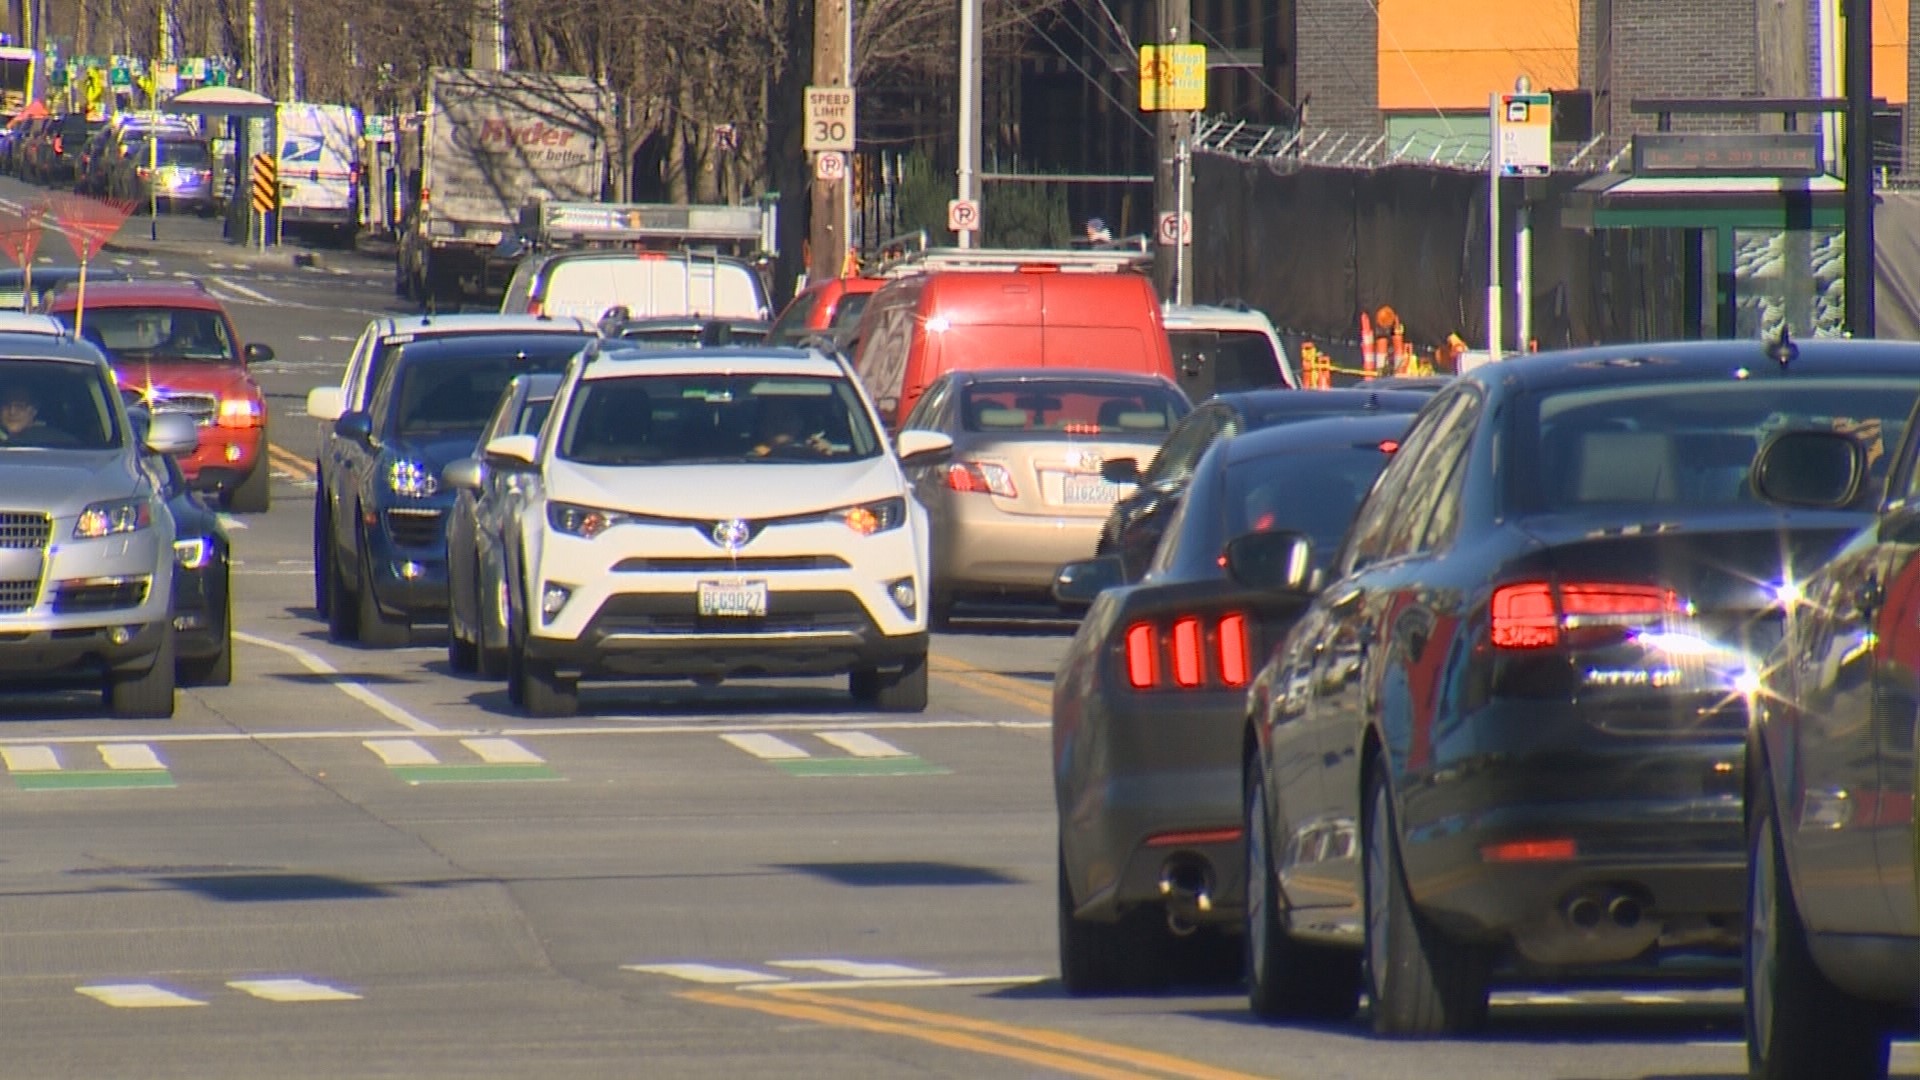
(711, 514)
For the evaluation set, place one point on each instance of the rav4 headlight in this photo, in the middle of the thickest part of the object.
(582, 521)
(412, 479)
(117, 516)
(875, 517)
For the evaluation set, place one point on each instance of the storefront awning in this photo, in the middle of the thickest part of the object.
(1626, 201)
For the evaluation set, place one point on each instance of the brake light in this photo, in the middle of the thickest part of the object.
(1188, 658)
(535, 308)
(1233, 650)
(1143, 657)
(981, 478)
(1556, 850)
(143, 172)
(1533, 615)
(1081, 428)
(1039, 268)
(651, 256)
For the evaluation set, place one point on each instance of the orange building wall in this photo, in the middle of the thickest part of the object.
(1450, 54)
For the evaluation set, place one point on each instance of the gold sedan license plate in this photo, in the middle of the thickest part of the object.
(1086, 489)
(734, 599)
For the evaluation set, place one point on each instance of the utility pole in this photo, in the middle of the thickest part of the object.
(292, 91)
(1781, 72)
(1173, 130)
(970, 85)
(832, 61)
(1861, 258)
(489, 33)
(256, 68)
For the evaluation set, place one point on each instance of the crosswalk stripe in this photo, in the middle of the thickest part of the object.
(401, 752)
(766, 747)
(29, 759)
(137, 996)
(861, 744)
(292, 990)
(130, 756)
(502, 752)
(855, 969)
(705, 973)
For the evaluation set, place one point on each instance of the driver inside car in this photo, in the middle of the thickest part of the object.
(782, 426)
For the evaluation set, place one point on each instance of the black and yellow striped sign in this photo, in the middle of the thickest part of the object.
(266, 185)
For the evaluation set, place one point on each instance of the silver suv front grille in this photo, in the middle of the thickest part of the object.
(24, 531)
(18, 596)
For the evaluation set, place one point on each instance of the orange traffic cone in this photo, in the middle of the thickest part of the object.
(1366, 346)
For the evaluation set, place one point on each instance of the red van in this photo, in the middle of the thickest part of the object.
(827, 307)
(1042, 315)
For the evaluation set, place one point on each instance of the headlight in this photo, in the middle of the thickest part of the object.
(412, 479)
(582, 521)
(875, 517)
(193, 552)
(240, 413)
(118, 516)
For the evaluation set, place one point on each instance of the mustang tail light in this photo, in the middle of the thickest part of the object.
(981, 478)
(1537, 615)
(1188, 653)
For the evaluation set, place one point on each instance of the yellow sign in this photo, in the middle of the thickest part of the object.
(1173, 78)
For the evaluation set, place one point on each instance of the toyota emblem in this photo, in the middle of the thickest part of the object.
(1090, 461)
(732, 535)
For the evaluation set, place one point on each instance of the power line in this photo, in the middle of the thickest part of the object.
(1097, 84)
(1263, 83)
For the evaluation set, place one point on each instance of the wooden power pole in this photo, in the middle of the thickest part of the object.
(1781, 71)
(1172, 129)
(832, 62)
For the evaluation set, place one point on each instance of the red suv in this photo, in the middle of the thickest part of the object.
(174, 344)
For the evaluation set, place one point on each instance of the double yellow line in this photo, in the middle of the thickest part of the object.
(1027, 695)
(1040, 1047)
(289, 462)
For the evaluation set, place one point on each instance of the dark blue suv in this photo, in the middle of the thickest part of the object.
(387, 553)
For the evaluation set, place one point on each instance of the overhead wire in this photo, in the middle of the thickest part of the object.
(1122, 106)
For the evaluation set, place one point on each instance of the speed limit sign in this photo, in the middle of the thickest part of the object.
(829, 165)
(963, 215)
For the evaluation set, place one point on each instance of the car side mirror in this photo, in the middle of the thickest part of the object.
(918, 448)
(464, 474)
(1123, 470)
(325, 403)
(1278, 562)
(1078, 584)
(256, 353)
(513, 451)
(1815, 469)
(354, 426)
(174, 434)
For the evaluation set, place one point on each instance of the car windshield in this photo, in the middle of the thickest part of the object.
(1071, 407)
(454, 391)
(153, 332)
(714, 419)
(848, 313)
(175, 152)
(532, 415)
(1311, 491)
(1692, 444)
(55, 406)
(389, 347)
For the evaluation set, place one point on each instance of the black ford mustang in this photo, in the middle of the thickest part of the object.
(1507, 736)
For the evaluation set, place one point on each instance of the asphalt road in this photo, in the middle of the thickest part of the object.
(351, 863)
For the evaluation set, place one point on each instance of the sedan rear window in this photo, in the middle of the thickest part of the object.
(1071, 407)
(1690, 443)
(1311, 491)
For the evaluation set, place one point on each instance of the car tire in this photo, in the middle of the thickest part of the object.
(1421, 983)
(1798, 1023)
(903, 691)
(148, 695)
(254, 495)
(322, 568)
(1109, 958)
(462, 656)
(374, 627)
(343, 621)
(1286, 979)
(215, 670)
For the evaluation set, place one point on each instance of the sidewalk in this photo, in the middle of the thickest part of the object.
(369, 254)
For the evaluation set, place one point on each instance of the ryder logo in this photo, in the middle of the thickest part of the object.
(498, 133)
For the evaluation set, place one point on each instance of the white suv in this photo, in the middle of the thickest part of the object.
(713, 513)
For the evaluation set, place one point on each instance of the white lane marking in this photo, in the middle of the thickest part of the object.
(766, 747)
(149, 262)
(137, 996)
(861, 744)
(1651, 999)
(502, 752)
(341, 337)
(230, 521)
(358, 692)
(217, 266)
(676, 728)
(243, 290)
(856, 969)
(30, 758)
(401, 752)
(311, 337)
(904, 984)
(132, 756)
(292, 990)
(182, 274)
(705, 973)
(122, 262)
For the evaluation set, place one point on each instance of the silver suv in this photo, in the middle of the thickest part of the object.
(86, 540)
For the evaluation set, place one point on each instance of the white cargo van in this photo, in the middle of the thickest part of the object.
(1218, 350)
(319, 166)
(651, 259)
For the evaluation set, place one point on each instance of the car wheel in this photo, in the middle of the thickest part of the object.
(903, 691)
(377, 629)
(215, 670)
(148, 695)
(321, 566)
(462, 655)
(343, 621)
(1286, 979)
(1109, 958)
(1798, 1023)
(254, 495)
(1421, 983)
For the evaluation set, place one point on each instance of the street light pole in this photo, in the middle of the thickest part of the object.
(970, 84)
